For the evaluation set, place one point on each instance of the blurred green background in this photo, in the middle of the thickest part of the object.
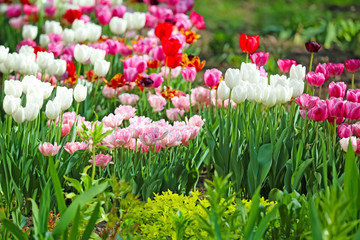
(283, 26)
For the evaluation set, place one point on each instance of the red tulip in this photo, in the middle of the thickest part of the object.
(249, 44)
(72, 14)
(171, 46)
(173, 61)
(163, 30)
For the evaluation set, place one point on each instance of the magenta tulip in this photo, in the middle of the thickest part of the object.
(337, 90)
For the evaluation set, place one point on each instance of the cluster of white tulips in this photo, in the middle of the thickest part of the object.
(247, 83)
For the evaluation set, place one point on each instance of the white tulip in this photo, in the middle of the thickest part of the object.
(297, 72)
(35, 99)
(82, 53)
(80, 93)
(223, 91)
(139, 20)
(13, 87)
(97, 54)
(3, 53)
(29, 82)
(47, 89)
(44, 59)
(232, 77)
(78, 24)
(44, 40)
(4, 69)
(80, 35)
(298, 87)
(52, 109)
(249, 73)
(68, 35)
(31, 111)
(13, 61)
(19, 115)
(94, 31)
(27, 50)
(271, 97)
(29, 31)
(239, 93)
(251, 92)
(64, 97)
(11, 104)
(276, 80)
(53, 27)
(283, 94)
(117, 25)
(101, 67)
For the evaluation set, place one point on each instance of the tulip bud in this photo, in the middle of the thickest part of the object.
(117, 25)
(52, 109)
(82, 53)
(249, 44)
(19, 115)
(11, 104)
(64, 97)
(259, 58)
(212, 77)
(31, 111)
(101, 67)
(80, 93)
(13, 87)
(232, 77)
(239, 92)
(297, 72)
(47, 89)
(29, 32)
(312, 46)
(223, 91)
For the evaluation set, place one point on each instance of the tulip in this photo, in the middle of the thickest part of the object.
(31, 111)
(72, 14)
(80, 93)
(312, 47)
(319, 112)
(47, 149)
(249, 73)
(19, 115)
(135, 20)
(271, 97)
(197, 20)
(82, 53)
(130, 74)
(321, 68)
(352, 110)
(64, 97)
(297, 72)
(128, 99)
(35, 97)
(223, 91)
(121, 137)
(189, 74)
(283, 94)
(315, 79)
(13, 87)
(72, 147)
(117, 25)
(97, 54)
(157, 102)
(172, 139)
(29, 32)
(249, 44)
(50, 11)
(13, 10)
(80, 34)
(352, 65)
(158, 53)
(171, 46)
(335, 69)
(259, 58)
(212, 77)
(94, 31)
(102, 160)
(163, 30)
(337, 90)
(151, 135)
(353, 95)
(101, 67)
(52, 110)
(157, 79)
(44, 40)
(285, 65)
(11, 104)
(335, 107)
(356, 129)
(173, 61)
(3, 53)
(232, 77)
(53, 27)
(239, 93)
(173, 113)
(345, 130)
(113, 121)
(344, 143)
(44, 59)
(68, 35)
(118, 10)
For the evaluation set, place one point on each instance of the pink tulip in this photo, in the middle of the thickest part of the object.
(285, 65)
(126, 111)
(172, 139)
(103, 14)
(197, 20)
(113, 121)
(182, 102)
(30, 9)
(158, 53)
(356, 129)
(344, 143)
(72, 147)
(47, 149)
(102, 160)
(212, 77)
(353, 95)
(319, 112)
(55, 38)
(121, 137)
(157, 79)
(130, 74)
(259, 58)
(174, 72)
(55, 48)
(335, 107)
(305, 101)
(151, 135)
(50, 11)
(135, 62)
(195, 121)
(315, 79)
(108, 92)
(199, 95)
(352, 110)
(150, 21)
(345, 130)
(337, 90)
(136, 121)
(335, 69)
(113, 46)
(118, 11)
(128, 99)
(13, 10)
(321, 68)
(157, 102)
(173, 113)
(352, 65)
(18, 22)
(189, 74)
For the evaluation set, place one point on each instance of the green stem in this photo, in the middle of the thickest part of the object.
(247, 57)
(190, 97)
(311, 61)
(93, 165)
(352, 81)
(79, 69)
(334, 135)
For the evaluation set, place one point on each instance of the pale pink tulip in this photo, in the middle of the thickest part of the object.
(102, 160)
(47, 149)
(72, 147)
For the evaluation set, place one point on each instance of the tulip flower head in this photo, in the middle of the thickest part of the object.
(315, 79)
(337, 90)
(102, 160)
(285, 65)
(259, 58)
(197, 20)
(47, 149)
(212, 78)
(249, 44)
(352, 65)
(345, 130)
(312, 46)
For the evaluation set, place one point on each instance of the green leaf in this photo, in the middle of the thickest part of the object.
(314, 221)
(57, 187)
(264, 159)
(253, 215)
(44, 210)
(14, 230)
(91, 224)
(75, 227)
(265, 223)
(299, 172)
